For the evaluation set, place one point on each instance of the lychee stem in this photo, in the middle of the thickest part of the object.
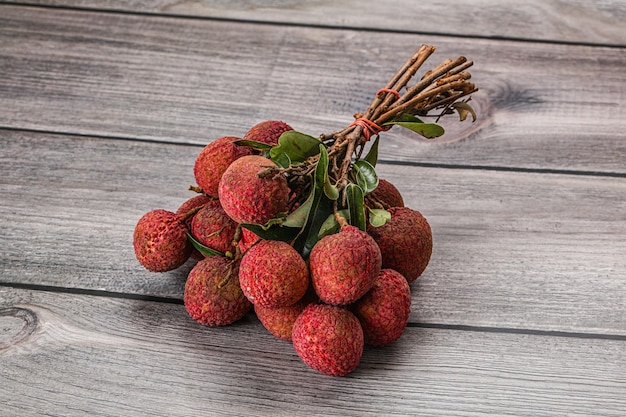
(338, 217)
(192, 212)
(438, 88)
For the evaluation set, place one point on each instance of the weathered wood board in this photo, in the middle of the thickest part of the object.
(541, 106)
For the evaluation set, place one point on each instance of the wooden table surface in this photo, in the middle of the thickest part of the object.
(104, 108)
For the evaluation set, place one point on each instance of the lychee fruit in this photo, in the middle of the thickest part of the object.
(212, 293)
(405, 241)
(328, 339)
(250, 193)
(344, 266)
(384, 310)
(273, 274)
(279, 320)
(213, 228)
(386, 195)
(267, 132)
(160, 241)
(213, 161)
(193, 203)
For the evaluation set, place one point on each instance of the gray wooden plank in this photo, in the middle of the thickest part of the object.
(191, 81)
(547, 20)
(518, 250)
(73, 355)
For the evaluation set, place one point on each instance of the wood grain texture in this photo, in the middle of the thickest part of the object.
(518, 250)
(87, 355)
(542, 106)
(548, 20)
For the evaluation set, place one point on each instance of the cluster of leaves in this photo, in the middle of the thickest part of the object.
(318, 215)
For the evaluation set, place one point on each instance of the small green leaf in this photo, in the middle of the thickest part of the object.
(321, 170)
(366, 176)
(324, 209)
(253, 144)
(428, 130)
(273, 232)
(331, 225)
(356, 206)
(204, 250)
(372, 155)
(297, 146)
(297, 218)
(463, 108)
(378, 217)
(331, 191)
(321, 207)
(282, 159)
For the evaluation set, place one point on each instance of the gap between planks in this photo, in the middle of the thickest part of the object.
(313, 25)
(555, 171)
(439, 326)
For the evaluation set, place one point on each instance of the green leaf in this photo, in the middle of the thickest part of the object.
(273, 232)
(428, 130)
(366, 176)
(297, 146)
(321, 170)
(331, 191)
(378, 217)
(204, 250)
(356, 206)
(324, 209)
(321, 207)
(253, 144)
(330, 225)
(463, 108)
(282, 159)
(372, 155)
(297, 218)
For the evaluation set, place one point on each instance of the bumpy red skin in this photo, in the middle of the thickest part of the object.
(267, 132)
(213, 161)
(210, 298)
(213, 228)
(384, 310)
(279, 320)
(273, 274)
(405, 241)
(328, 339)
(344, 266)
(386, 194)
(160, 241)
(248, 198)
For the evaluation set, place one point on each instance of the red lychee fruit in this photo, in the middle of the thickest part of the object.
(328, 339)
(213, 228)
(248, 238)
(250, 194)
(193, 203)
(279, 320)
(386, 194)
(213, 161)
(160, 241)
(405, 241)
(384, 310)
(212, 292)
(273, 274)
(344, 266)
(267, 132)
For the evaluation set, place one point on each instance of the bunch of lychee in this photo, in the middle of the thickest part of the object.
(327, 282)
